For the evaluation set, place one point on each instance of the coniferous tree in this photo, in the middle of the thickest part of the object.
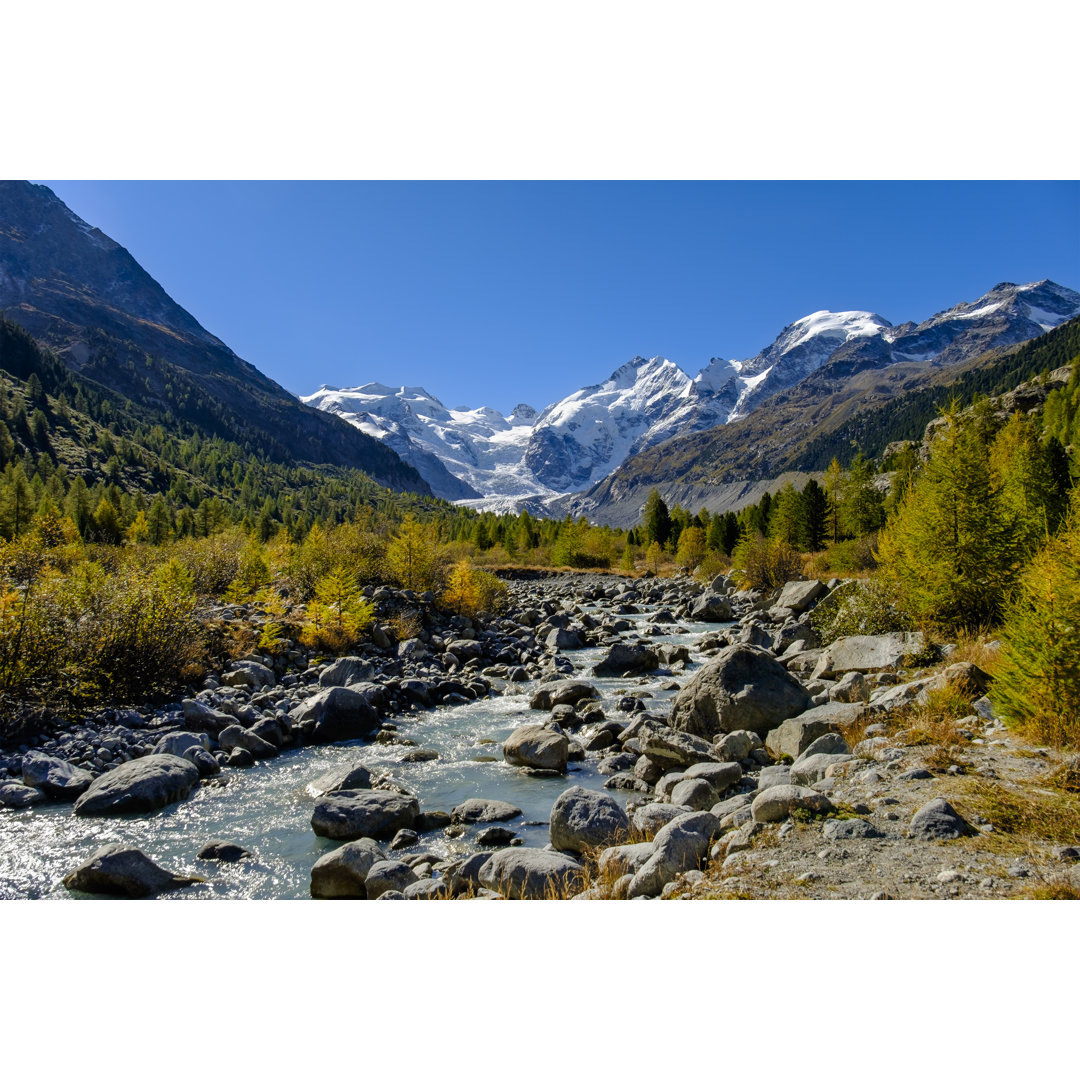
(814, 517)
(657, 519)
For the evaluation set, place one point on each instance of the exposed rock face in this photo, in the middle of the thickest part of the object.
(139, 786)
(117, 870)
(742, 687)
(350, 815)
(583, 819)
(526, 874)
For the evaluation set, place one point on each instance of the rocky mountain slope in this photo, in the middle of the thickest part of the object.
(728, 416)
(85, 297)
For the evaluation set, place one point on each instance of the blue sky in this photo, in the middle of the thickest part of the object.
(493, 293)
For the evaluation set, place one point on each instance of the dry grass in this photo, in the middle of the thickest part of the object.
(1025, 812)
(1055, 888)
(975, 649)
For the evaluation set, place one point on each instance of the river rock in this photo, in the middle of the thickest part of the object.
(736, 745)
(810, 768)
(695, 794)
(179, 742)
(428, 889)
(867, 652)
(720, 775)
(236, 736)
(800, 596)
(622, 659)
(938, 820)
(527, 874)
(346, 670)
(341, 874)
(711, 607)
(118, 870)
(832, 742)
(495, 836)
(139, 786)
(56, 778)
(742, 687)
(249, 673)
(350, 815)
(652, 817)
(343, 778)
(538, 747)
(794, 736)
(16, 796)
(563, 692)
(850, 829)
(336, 714)
(773, 776)
(389, 876)
(582, 819)
(223, 851)
(622, 859)
(670, 747)
(199, 715)
(483, 811)
(777, 803)
(680, 845)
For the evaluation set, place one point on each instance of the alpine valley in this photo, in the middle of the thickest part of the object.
(716, 439)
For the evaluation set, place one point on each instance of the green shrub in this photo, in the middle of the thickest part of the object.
(761, 563)
(858, 607)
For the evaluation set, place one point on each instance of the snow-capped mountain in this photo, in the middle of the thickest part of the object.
(528, 459)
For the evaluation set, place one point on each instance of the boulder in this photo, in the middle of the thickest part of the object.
(777, 803)
(582, 819)
(850, 829)
(561, 639)
(793, 736)
(868, 652)
(199, 715)
(831, 742)
(670, 747)
(851, 689)
(652, 817)
(938, 820)
(179, 742)
(249, 673)
(139, 786)
(538, 747)
(680, 845)
(474, 811)
(711, 607)
(773, 776)
(389, 875)
(695, 794)
(428, 889)
(341, 874)
(810, 768)
(343, 778)
(495, 836)
(54, 777)
(562, 692)
(528, 874)
(620, 659)
(16, 796)
(117, 870)
(741, 688)
(235, 736)
(801, 596)
(719, 775)
(345, 670)
(350, 815)
(336, 714)
(622, 859)
(736, 745)
(223, 851)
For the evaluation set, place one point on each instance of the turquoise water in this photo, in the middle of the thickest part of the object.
(267, 809)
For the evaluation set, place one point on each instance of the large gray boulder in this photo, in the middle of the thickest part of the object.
(939, 820)
(234, 736)
(680, 845)
(389, 876)
(777, 803)
(812, 768)
(621, 658)
(139, 786)
(527, 874)
(538, 747)
(583, 819)
(178, 743)
(349, 815)
(483, 811)
(346, 670)
(55, 777)
(711, 607)
(341, 874)
(249, 673)
(800, 596)
(652, 817)
(867, 652)
(202, 717)
(336, 714)
(668, 747)
(720, 775)
(118, 870)
(342, 778)
(16, 796)
(794, 736)
(623, 859)
(742, 687)
(563, 692)
(693, 793)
